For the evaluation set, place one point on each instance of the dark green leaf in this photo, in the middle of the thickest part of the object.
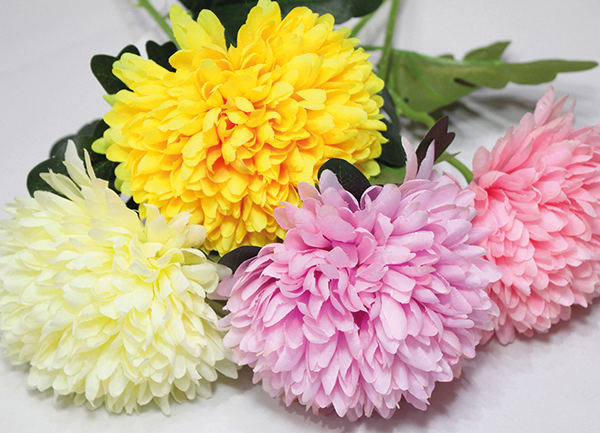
(102, 66)
(350, 177)
(426, 84)
(103, 168)
(438, 134)
(81, 142)
(36, 183)
(131, 204)
(161, 53)
(88, 128)
(233, 13)
(99, 129)
(392, 152)
(58, 149)
(235, 258)
(213, 256)
(218, 306)
(491, 52)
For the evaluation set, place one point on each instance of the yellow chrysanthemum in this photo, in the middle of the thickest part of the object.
(103, 306)
(231, 133)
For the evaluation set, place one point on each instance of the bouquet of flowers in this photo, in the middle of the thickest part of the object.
(248, 199)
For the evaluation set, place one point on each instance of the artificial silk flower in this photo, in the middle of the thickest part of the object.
(103, 306)
(365, 302)
(538, 191)
(233, 131)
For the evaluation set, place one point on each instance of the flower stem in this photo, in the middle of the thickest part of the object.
(383, 66)
(464, 170)
(364, 20)
(369, 47)
(160, 20)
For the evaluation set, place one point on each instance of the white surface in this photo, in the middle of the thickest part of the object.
(550, 383)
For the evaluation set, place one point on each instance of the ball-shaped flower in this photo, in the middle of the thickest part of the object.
(233, 131)
(103, 306)
(365, 302)
(538, 191)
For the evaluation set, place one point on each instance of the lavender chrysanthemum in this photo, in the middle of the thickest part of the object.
(364, 303)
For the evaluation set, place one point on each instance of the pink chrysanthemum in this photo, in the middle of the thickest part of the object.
(364, 303)
(538, 190)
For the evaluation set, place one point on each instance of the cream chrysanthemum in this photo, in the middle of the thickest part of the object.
(233, 131)
(103, 306)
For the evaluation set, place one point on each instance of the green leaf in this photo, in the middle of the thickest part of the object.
(392, 152)
(218, 306)
(426, 84)
(98, 131)
(88, 128)
(131, 204)
(161, 53)
(102, 66)
(233, 13)
(541, 71)
(58, 149)
(403, 109)
(36, 183)
(350, 177)
(103, 168)
(389, 175)
(491, 52)
(83, 140)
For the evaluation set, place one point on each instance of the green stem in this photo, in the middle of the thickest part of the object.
(160, 20)
(383, 68)
(464, 170)
(364, 20)
(369, 47)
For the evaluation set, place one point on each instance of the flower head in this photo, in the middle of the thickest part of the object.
(538, 191)
(367, 302)
(232, 131)
(103, 306)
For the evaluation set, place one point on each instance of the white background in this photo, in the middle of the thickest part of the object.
(550, 383)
